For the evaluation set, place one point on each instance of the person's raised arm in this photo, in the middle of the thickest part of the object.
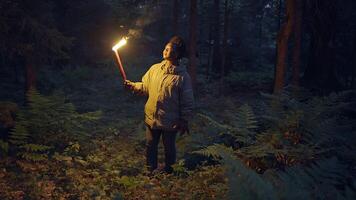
(139, 87)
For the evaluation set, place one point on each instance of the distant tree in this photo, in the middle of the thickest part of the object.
(353, 62)
(30, 35)
(282, 46)
(321, 68)
(216, 36)
(175, 23)
(193, 40)
(297, 39)
(224, 49)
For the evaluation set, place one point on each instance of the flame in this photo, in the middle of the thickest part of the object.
(122, 42)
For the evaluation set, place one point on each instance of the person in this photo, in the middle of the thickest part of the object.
(170, 103)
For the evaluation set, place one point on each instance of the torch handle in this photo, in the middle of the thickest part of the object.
(122, 71)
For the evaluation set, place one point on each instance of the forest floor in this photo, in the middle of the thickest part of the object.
(110, 162)
(110, 165)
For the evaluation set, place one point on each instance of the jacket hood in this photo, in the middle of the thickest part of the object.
(173, 69)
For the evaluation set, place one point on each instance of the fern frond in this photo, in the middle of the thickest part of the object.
(244, 183)
(243, 122)
(35, 157)
(319, 180)
(35, 147)
(216, 151)
(4, 146)
(19, 134)
(214, 122)
(246, 124)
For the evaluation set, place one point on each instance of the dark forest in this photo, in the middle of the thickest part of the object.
(254, 99)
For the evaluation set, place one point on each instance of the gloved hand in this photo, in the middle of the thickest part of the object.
(129, 85)
(182, 127)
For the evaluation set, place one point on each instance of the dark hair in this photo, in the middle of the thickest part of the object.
(178, 45)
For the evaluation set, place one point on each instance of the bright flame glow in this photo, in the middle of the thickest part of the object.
(122, 42)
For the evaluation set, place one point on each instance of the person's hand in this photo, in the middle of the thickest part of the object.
(182, 127)
(129, 84)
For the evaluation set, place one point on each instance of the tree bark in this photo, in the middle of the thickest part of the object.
(175, 23)
(297, 43)
(282, 46)
(353, 73)
(224, 47)
(30, 73)
(320, 72)
(193, 41)
(278, 25)
(216, 37)
(260, 35)
(210, 53)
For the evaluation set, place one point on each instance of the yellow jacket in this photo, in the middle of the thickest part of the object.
(170, 95)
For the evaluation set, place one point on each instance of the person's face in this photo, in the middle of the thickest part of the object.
(169, 53)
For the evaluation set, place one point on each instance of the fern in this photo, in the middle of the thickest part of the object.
(295, 132)
(47, 122)
(4, 146)
(34, 152)
(246, 123)
(213, 122)
(294, 125)
(53, 118)
(320, 180)
(19, 134)
(243, 183)
(31, 156)
(243, 124)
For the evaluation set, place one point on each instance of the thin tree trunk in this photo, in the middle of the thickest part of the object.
(282, 46)
(260, 34)
(320, 72)
(224, 47)
(16, 71)
(175, 17)
(297, 43)
(192, 41)
(279, 14)
(210, 52)
(353, 73)
(278, 24)
(216, 37)
(30, 74)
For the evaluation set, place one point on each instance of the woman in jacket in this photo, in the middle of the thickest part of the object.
(170, 103)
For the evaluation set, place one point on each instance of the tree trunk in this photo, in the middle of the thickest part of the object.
(353, 73)
(30, 74)
(260, 35)
(224, 47)
(320, 72)
(297, 43)
(210, 53)
(282, 46)
(175, 23)
(278, 25)
(216, 37)
(193, 41)
(279, 14)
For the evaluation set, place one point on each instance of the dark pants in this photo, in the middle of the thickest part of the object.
(169, 143)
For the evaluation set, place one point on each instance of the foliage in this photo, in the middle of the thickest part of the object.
(4, 147)
(248, 79)
(34, 33)
(319, 180)
(49, 122)
(7, 112)
(243, 183)
(288, 138)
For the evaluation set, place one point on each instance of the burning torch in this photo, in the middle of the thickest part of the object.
(115, 48)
